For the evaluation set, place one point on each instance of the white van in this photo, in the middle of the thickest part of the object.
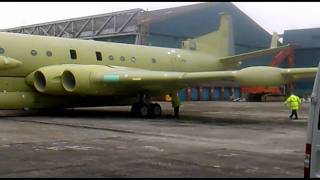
(312, 151)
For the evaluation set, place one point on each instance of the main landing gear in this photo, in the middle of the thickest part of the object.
(144, 108)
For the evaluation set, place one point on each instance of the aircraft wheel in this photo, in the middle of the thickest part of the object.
(143, 110)
(155, 110)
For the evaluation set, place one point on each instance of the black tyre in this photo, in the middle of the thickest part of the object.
(143, 110)
(155, 110)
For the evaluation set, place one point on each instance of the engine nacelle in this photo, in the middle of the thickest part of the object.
(260, 76)
(84, 80)
(48, 79)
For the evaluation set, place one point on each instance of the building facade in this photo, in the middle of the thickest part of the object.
(306, 54)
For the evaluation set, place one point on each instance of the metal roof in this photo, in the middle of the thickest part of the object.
(303, 38)
(102, 25)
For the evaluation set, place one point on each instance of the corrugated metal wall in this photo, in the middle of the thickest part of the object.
(130, 39)
(306, 55)
(304, 38)
(209, 94)
(170, 31)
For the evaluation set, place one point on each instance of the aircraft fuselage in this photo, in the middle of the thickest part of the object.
(38, 51)
(35, 52)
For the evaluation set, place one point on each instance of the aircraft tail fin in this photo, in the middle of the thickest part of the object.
(274, 40)
(219, 43)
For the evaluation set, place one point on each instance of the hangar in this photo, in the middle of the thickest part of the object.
(165, 28)
(307, 53)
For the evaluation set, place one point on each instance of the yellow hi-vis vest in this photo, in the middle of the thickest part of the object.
(175, 101)
(294, 102)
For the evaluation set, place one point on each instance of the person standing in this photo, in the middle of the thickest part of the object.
(175, 101)
(294, 102)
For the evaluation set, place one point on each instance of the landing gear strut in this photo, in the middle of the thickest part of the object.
(144, 108)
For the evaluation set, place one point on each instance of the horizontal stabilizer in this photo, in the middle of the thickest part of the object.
(231, 60)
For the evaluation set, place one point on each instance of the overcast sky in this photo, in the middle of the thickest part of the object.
(272, 16)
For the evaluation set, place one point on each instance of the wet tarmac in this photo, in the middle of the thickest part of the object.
(210, 139)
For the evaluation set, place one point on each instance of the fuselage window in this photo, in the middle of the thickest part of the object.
(122, 58)
(49, 53)
(34, 52)
(111, 57)
(1, 50)
(153, 60)
(133, 59)
(73, 54)
(99, 56)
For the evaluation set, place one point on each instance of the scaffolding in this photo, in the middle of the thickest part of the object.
(143, 28)
(121, 23)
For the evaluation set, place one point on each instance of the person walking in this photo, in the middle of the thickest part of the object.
(294, 102)
(175, 101)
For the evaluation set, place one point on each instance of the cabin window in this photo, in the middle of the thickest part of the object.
(49, 53)
(122, 58)
(73, 54)
(1, 50)
(153, 60)
(34, 52)
(133, 59)
(99, 56)
(111, 57)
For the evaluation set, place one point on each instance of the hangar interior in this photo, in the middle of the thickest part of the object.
(169, 27)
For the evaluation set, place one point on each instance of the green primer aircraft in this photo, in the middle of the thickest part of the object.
(50, 72)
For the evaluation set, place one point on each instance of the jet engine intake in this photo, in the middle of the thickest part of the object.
(84, 80)
(68, 81)
(48, 80)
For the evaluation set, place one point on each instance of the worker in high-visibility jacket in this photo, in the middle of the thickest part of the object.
(294, 102)
(175, 101)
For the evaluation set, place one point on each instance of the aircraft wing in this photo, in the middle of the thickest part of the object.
(254, 54)
(129, 80)
(97, 80)
(143, 77)
(155, 81)
(259, 75)
(298, 73)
